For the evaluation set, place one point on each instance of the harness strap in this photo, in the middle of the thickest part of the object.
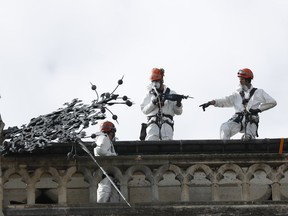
(247, 115)
(159, 115)
(245, 101)
(166, 93)
(248, 118)
(165, 115)
(157, 120)
(238, 119)
(162, 95)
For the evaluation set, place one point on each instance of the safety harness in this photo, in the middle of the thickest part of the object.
(159, 116)
(249, 118)
(245, 101)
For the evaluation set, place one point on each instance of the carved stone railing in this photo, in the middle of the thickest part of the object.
(48, 177)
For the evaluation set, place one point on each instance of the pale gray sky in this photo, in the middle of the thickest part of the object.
(50, 51)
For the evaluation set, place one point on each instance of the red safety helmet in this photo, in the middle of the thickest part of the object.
(107, 126)
(245, 73)
(157, 74)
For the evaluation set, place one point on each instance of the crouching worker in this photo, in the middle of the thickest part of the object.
(248, 102)
(104, 147)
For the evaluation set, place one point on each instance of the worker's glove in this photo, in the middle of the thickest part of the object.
(155, 101)
(205, 105)
(254, 111)
(179, 104)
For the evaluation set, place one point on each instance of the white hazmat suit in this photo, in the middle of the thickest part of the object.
(104, 147)
(259, 100)
(167, 111)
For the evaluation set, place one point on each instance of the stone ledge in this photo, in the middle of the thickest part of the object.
(160, 209)
(172, 147)
(60, 160)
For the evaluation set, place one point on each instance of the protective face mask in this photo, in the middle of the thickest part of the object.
(243, 87)
(156, 85)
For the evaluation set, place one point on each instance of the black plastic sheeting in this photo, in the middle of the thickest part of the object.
(200, 146)
(173, 147)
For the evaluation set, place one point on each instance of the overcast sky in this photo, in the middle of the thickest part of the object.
(50, 51)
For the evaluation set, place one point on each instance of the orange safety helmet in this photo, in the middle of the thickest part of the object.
(107, 126)
(245, 73)
(157, 74)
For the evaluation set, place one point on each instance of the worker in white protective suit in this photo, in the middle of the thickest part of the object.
(104, 147)
(248, 102)
(159, 108)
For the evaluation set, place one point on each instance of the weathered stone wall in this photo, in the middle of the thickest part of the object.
(152, 178)
(179, 184)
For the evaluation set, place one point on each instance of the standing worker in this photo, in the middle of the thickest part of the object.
(104, 147)
(248, 102)
(158, 109)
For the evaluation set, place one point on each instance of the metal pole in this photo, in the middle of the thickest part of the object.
(93, 158)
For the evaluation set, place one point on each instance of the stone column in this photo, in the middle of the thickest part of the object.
(276, 192)
(245, 189)
(124, 191)
(62, 193)
(185, 191)
(215, 192)
(155, 192)
(30, 193)
(93, 192)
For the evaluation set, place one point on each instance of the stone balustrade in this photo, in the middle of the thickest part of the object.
(49, 177)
